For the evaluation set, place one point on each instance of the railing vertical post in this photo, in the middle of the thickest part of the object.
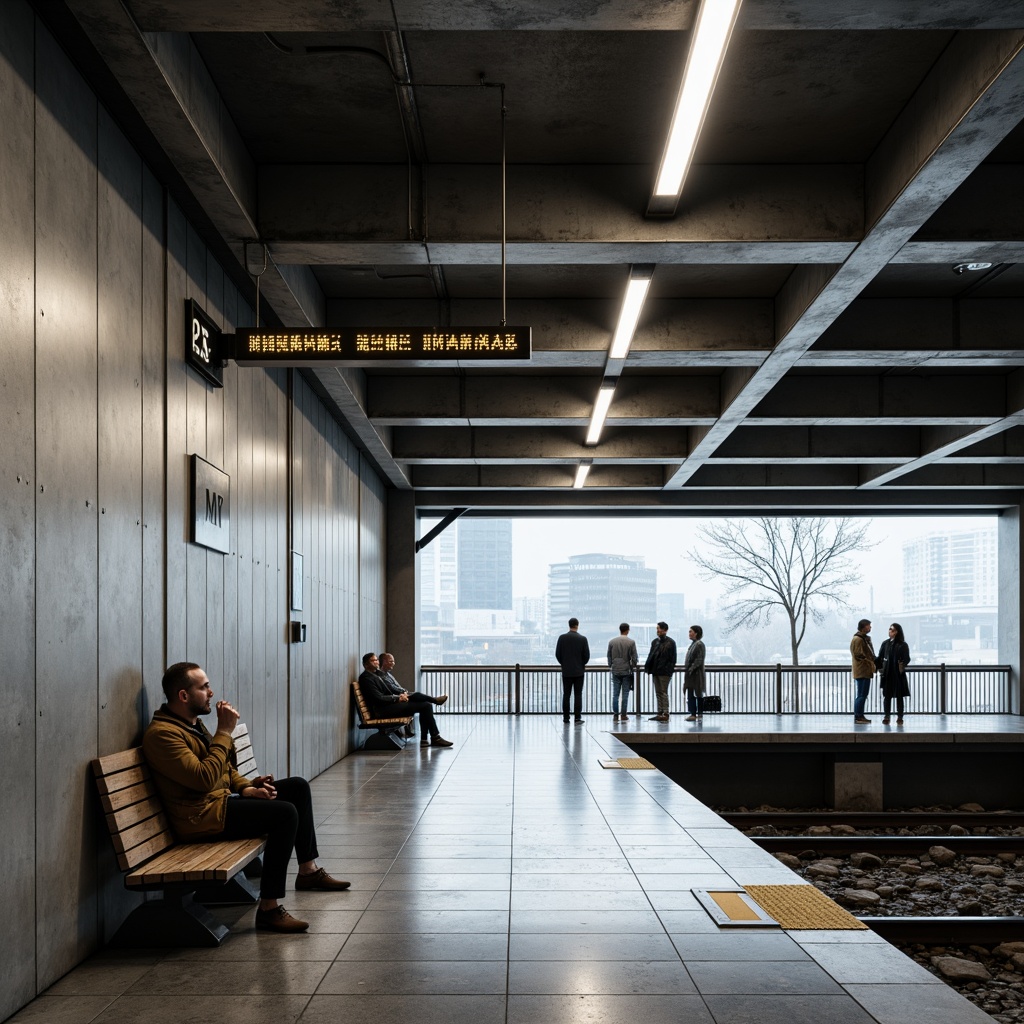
(942, 688)
(518, 690)
(637, 709)
(778, 688)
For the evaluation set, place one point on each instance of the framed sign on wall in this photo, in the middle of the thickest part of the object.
(210, 501)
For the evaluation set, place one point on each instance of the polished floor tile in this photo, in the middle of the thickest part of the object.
(511, 880)
(607, 1009)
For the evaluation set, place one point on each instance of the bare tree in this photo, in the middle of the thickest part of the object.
(802, 565)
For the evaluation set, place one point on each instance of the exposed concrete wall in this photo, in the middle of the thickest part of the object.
(100, 584)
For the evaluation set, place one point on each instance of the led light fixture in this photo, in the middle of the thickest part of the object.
(581, 475)
(601, 404)
(640, 275)
(711, 31)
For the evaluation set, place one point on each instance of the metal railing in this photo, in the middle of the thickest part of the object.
(744, 689)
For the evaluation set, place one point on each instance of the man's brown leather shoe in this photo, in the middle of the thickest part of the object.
(279, 920)
(321, 881)
(437, 741)
(440, 700)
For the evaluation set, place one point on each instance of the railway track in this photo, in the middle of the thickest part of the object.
(744, 820)
(843, 845)
(947, 931)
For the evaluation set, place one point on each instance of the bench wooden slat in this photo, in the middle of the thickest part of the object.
(126, 797)
(112, 763)
(140, 854)
(157, 825)
(220, 861)
(118, 781)
(127, 817)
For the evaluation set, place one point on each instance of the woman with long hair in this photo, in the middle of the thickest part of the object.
(893, 659)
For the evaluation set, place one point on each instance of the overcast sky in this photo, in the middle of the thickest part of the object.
(665, 544)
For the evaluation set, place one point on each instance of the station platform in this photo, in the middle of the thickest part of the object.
(514, 880)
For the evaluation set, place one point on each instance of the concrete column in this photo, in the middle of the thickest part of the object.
(1010, 649)
(401, 605)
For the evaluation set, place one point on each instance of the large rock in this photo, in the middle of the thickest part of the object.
(820, 869)
(970, 909)
(843, 830)
(1009, 948)
(961, 970)
(789, 860)
(971, 808)
(866, 861)
(861, 897)
(941, 855)
(819, 830)
(929, 883)
(987, 871)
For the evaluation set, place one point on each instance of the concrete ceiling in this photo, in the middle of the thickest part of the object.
(806, 343)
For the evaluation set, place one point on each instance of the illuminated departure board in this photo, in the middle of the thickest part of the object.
(265, 347)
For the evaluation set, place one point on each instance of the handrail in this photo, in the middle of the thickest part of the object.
(768, 689)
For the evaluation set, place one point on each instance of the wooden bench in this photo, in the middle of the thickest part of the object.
(155, 861)
(389, 730)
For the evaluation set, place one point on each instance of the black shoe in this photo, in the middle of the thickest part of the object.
(565, 721)
(410, 731)
(437, 741)
(579, 721)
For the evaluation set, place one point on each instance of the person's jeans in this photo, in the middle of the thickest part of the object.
(572, 686)
(661, 692)
(887, 703)
(694, 702)
(621, 685)
(863, 685)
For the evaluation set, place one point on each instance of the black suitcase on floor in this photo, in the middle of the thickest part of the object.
(711, 703)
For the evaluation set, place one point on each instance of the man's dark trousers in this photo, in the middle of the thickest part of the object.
(572, 685)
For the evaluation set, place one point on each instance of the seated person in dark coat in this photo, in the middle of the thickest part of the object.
(387, 663)
(383, 703)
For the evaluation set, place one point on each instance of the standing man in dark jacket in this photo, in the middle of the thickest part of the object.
(661, 663)
(572, 652)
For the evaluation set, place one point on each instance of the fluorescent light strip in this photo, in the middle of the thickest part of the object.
(713, 27)
(581, 475)
(601, 404)
(636, 292)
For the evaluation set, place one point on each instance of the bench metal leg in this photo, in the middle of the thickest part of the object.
(381, 740)
(174, 920)
(234, 892)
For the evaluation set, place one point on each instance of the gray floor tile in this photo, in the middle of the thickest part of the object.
(735, 944)
(425, 946)
(570, 881)
(917, 1004)
(264, 946)
(843, 936)
(881, 964)
(583, 977)
(683, 881)
(93, 978)
(580, 899)
(607, 1009)
(409, 919)
(803, 1009)
(687, 922)
(407, 1009)
(585, 920)
(591, 947)
(747, 978)
(444, 865)
(441, 899)
(239, 1009)
(62, 1010)
(264, 978)
(447, 880)
(415, 977)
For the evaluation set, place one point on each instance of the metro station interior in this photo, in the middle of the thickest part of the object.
(831, 324)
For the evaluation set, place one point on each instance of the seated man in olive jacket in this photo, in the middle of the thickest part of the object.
(206, 798)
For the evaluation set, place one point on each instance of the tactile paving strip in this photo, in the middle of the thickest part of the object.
(802, 906)
(634, 762)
